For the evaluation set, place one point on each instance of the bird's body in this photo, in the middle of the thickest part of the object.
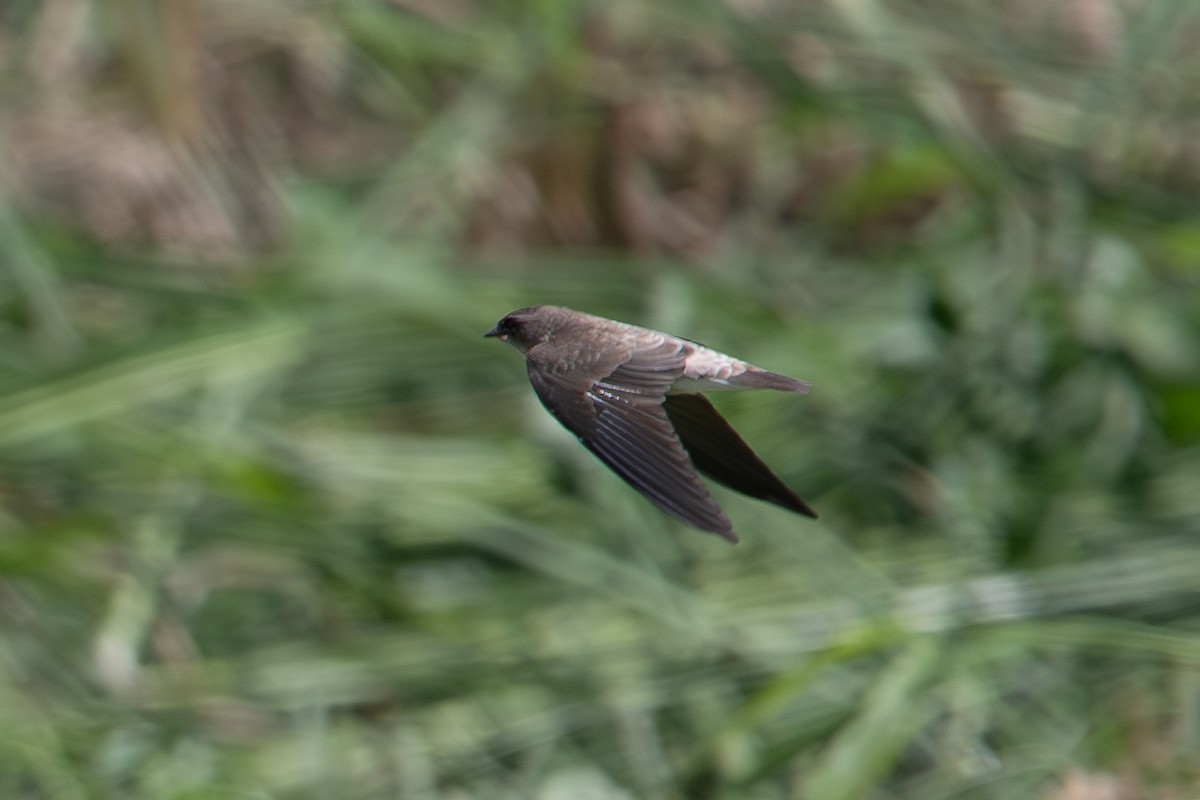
(631, 395)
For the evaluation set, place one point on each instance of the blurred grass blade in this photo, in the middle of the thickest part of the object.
(124, 383)
(892, 713)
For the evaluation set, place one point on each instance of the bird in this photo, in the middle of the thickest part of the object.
(633, 398)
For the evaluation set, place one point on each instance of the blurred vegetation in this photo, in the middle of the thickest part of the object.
(275, 520)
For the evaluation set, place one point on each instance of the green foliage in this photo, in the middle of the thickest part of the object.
(276, 521)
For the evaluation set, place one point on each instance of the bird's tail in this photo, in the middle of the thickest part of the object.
(764, 379)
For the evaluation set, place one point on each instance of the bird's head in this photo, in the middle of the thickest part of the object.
(524, 327)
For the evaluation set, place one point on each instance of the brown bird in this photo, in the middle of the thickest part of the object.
(631, 395)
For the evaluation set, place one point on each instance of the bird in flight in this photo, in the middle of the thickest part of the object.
(632, 396)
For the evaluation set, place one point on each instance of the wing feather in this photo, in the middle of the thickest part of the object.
(720, 453)
(620, 417)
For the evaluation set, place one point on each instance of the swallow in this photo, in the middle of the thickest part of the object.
(632, 396)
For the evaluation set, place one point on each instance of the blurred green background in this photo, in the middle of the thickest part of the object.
(276, 522)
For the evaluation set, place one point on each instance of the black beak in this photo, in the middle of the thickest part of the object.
(492, 332)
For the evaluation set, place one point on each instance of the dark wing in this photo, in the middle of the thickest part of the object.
(620, 418)
(720, 453)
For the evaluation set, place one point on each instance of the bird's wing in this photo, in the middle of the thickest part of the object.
(720, 453)
(618, 414)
